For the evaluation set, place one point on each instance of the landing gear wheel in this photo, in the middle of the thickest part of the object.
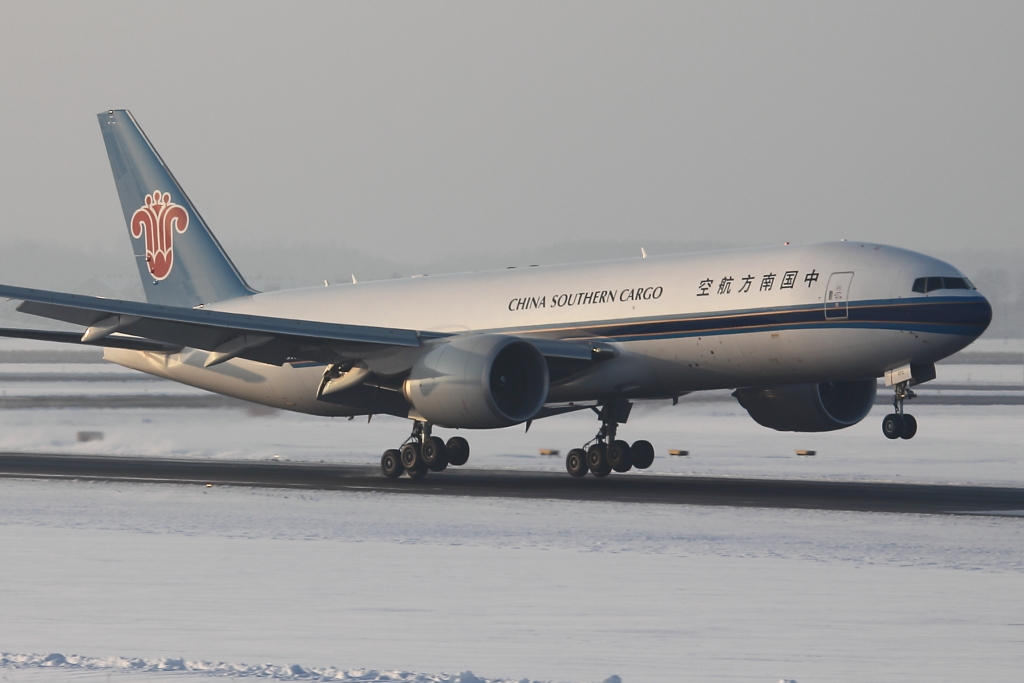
(576, 462)
(597, 460)
(643, 454)
(909, 427)
(434, 454)
(457, 449)
(391, 464)
(899, 425)
(892, 426)
(411, 458)
(619, 457)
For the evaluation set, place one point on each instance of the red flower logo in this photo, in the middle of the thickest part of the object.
(158, 220)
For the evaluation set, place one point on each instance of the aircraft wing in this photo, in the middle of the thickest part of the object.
(117, 340)
(168, 329)
(226, 335)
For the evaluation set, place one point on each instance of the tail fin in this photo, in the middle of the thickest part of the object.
(179, 259)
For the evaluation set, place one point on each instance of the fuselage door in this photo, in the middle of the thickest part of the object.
(836, 296)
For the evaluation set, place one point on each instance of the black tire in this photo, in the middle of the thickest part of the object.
(434, 454)
(576, 462)
(597, 460)
(391, 464)
(411, 458)
(909, 427)
(643, 454)
(619, 457)
(457, 449)
(892, 426)
(417, 472)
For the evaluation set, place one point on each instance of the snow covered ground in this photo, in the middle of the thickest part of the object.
(958, 444)
(546, 590)
(140, 579)
(55, 666)
(961, 444)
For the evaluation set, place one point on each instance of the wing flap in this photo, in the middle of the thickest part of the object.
(117, 341)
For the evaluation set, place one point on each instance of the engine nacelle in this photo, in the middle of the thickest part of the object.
(479, 382)
(809, 407)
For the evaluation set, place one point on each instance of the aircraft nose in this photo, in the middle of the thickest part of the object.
(960, 320)
(964, 316)
(977, 314)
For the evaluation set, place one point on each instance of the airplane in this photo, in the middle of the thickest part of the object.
(800, 333)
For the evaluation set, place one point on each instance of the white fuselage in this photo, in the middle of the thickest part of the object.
(680, 323)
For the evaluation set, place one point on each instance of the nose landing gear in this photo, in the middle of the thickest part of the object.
(422, 453)
(900, 425)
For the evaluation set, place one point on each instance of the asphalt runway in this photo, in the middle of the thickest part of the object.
(648, 488)
(1009, 397)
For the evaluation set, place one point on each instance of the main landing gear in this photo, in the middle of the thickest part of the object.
(604, 453)
(900, 425)
(422, 453)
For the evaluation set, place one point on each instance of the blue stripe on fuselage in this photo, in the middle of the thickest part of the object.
(967, 316)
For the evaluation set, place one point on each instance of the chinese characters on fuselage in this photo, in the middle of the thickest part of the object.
(708, 286)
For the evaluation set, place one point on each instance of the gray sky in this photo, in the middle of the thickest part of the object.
(434, 133)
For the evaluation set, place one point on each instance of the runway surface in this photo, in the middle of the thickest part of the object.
(984, 397)
(646, 488)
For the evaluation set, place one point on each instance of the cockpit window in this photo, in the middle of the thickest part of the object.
(954, 283)
(923, 285)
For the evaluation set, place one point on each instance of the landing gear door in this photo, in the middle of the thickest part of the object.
(836, 296)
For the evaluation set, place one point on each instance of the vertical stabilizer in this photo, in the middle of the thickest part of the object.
(180, 261)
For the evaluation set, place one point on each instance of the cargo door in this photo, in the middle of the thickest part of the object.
(836, 296)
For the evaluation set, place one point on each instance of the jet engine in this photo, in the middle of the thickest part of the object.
(820, 407)
(479, 382)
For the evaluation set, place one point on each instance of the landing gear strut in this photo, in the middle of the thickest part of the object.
(422, 453)
(605, 453)
(898, 424)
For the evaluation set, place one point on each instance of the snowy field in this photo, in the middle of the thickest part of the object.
(544, 590)
(136, 583)
(955, 444)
